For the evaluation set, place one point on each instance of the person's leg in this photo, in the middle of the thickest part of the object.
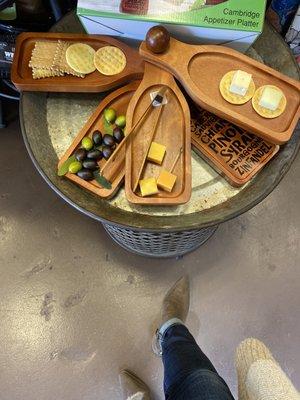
(188, 373)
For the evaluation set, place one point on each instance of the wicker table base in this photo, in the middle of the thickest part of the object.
(159, 244)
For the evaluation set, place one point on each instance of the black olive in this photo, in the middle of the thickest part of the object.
(90, 164)
(118, 134)
(108, 140)
(94, 154)
(80, 154)
(85, 174)
(107, 152)
(97, 138)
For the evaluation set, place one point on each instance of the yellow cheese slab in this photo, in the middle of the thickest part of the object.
(156, 153)
(166, 180)
(148, 186)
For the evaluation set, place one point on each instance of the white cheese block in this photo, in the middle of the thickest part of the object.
(270, 98)
(240, 83)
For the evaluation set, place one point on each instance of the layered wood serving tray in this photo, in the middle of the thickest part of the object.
(200, 70)
(21, 73)
(172, 131)
(232, 151)
(119, 101)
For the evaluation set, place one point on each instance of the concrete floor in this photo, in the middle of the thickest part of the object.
(75, 307)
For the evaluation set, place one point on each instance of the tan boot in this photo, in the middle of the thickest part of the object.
(175, 305)
(177, 301)
(133, 388)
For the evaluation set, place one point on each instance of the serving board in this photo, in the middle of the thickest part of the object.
(173, 131)
(200, 70)
(21, 73)
(118, 100)
(233, 152)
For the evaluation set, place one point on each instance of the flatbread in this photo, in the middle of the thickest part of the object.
(110, 60)
(234, 98)
(80, 57)
(265, 112)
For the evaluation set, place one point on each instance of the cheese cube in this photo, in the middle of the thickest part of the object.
(156, 153)
(166, 180)
(270, 98)
(240, 83)
(148, 186)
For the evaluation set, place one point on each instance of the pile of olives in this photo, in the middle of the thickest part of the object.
(99, 146)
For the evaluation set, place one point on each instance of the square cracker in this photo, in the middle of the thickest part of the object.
(43, 54)
(38, 73)
(60, 61)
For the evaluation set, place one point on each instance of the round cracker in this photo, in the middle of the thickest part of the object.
(110, 60)
(234, 98)
(80, 57)
(264, 112)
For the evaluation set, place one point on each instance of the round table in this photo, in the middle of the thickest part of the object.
(49, 123)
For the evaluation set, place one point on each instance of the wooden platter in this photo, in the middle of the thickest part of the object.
(200, 70)
(118, 100)
(21, 73)
(172, 131)
(233, 152)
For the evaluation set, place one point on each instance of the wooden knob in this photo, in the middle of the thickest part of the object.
(157, 39)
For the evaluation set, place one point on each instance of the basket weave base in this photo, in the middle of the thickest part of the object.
(159, 244)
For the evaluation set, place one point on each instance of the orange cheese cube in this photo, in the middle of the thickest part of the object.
(156, 153)
(148, 186)
(166, 180)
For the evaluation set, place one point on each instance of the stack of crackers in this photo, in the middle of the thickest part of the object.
(49, 59)
(59, 58)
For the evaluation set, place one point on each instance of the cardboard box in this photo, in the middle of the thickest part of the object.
(233, 23)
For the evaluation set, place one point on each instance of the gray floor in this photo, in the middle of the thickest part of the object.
(75, 307)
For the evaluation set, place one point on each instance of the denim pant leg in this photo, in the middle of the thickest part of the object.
(189, 375)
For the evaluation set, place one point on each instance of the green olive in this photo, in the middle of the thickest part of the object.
(87, 143)
(74, 167)
(121, 121)
(110, 115)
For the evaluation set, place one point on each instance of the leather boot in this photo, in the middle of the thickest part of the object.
(177, 301)
(133, 388)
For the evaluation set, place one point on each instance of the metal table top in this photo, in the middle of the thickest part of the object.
(50, 122)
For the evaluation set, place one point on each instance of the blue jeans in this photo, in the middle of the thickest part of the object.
(189, 375)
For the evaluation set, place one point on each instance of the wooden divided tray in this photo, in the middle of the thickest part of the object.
(118, 100)
(21, 73)
(172, 130)
(236, 154)
(200, 70)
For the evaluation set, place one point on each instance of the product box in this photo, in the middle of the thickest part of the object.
(233, 23)
(293, 36)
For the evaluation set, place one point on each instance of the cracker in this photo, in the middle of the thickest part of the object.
(60, 61)
(110, 60)
(264, 112)
(43, 54)
(234, 98)
(38, 73)
(80, 57)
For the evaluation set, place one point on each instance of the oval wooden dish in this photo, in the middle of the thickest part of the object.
(21, 73)
(200, 70)
(168, 125)
(118, 100)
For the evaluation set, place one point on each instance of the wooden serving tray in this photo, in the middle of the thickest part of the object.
(232, 151)
(118, 100)
(200, 70)
(21, 73)
(173, 131)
